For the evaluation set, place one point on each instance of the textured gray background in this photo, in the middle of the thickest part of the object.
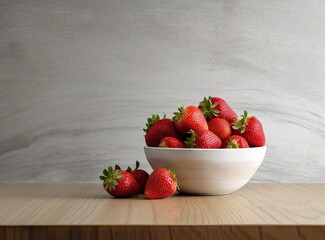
(79, 78)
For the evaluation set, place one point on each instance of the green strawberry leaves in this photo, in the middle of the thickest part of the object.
(241, 123)
(178, 115)
(150, 121)
(102, 178)
(137, 165)
(232, 143)
(209, 109)
(190, 141)
(110, 177)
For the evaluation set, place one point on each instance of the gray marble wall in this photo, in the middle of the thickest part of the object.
(79, 78)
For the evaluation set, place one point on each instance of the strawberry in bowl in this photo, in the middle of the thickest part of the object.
(210, 149)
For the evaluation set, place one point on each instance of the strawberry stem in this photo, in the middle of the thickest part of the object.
(232, 143)
(110, 177)
(162, 145)
(209, 109)
(241, 123)
(178, 115)
(137, 165)
(117, 167)
(190, 141)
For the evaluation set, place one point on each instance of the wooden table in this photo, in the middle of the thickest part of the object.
(85, 211)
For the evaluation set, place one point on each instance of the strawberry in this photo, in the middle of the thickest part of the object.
(213, 107)
(162, 183)
(157, 129)
(251, 129)
(235, 141)
(189, 118)
(119, 183)
(171, 142)
(203, 139)
(141, 176)
(220, 127)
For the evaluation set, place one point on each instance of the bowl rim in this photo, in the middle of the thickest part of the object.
(205, 149)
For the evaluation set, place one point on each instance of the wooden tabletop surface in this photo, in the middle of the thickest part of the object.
(89, 204)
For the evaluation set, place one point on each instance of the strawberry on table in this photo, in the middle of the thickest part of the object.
(157, 129)
(203, 139)
(188, 118)
(171, 142)
(251, 129)
(119, 183)
(162, 183)
(213, 107)
(221, 127)
(235, 141)
(140, 175)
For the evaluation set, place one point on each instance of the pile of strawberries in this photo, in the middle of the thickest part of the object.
(213, 124)
(161, 183)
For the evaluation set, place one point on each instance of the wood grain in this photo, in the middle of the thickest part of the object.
(85, 211)
(89, 204)
(163, 232)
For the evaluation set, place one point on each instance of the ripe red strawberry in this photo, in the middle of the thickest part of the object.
(119, 183)
(162, 183)
(141, 176)
(189, 118)
(220, 127)
(213, 107)
(235, 141)
(157, 129)
(251, 129)
(203, 139)
(171, 142)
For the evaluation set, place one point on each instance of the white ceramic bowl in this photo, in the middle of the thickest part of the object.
(208, 171)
